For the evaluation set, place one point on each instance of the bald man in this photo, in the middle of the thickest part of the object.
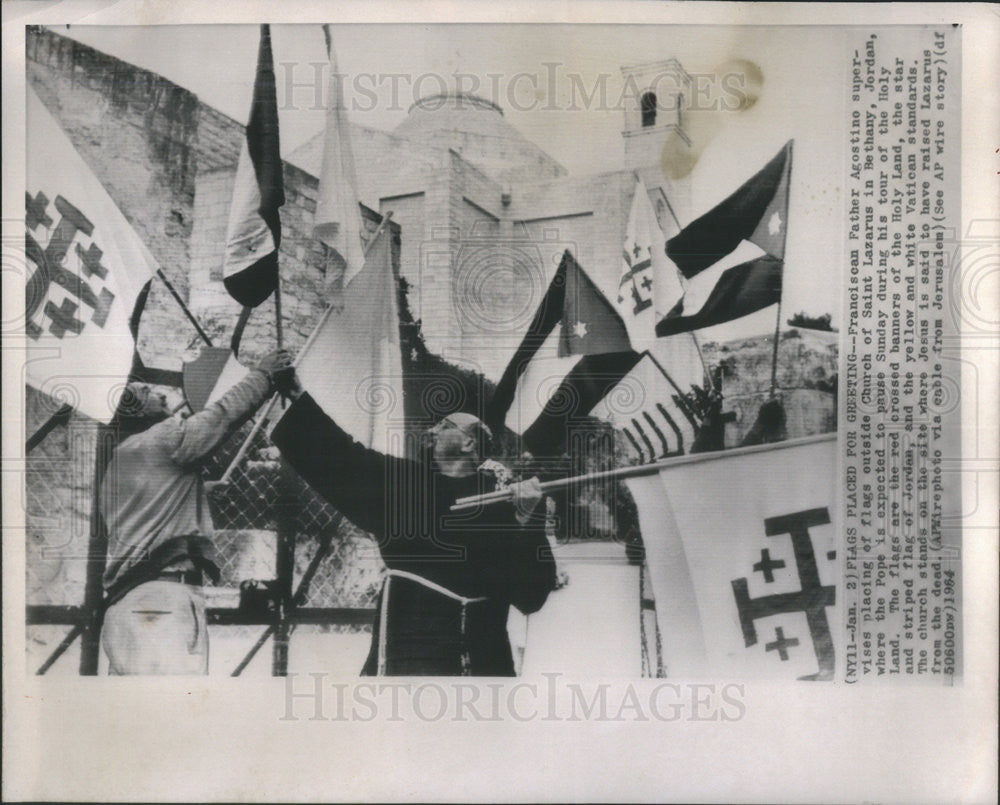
(451, 578)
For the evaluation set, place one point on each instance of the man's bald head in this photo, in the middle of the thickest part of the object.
(460, 442)
(141, 406)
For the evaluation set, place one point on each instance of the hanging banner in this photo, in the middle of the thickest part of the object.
(88, 265)
(746, 587)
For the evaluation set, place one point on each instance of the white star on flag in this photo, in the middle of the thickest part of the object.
(580, 329)
(774, 224)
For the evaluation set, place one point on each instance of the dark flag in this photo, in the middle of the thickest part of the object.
(757, 213)
(590, 380)
(576, 349)
(250, 271)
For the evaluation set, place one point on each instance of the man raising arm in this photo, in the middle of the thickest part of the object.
(159, 530)
(451, 577)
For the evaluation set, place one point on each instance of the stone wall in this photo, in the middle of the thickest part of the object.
(56, 507)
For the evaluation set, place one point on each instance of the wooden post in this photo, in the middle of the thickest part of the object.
(284, 570)
(97, 556)
(301, 592)
(60, 417)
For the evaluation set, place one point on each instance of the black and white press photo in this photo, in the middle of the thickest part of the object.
(454, 372)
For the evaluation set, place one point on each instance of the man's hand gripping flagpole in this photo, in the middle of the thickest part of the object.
(241, 454)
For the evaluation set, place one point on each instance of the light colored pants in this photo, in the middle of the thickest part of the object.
(158, 628)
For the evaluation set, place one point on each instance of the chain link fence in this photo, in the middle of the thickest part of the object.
(261, 499)
(246, 513)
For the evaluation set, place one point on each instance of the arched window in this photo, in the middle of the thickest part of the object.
(647, 104)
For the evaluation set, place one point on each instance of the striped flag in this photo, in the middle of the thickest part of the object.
(250, 270)
(649, 407)
(733, 256)
(575, 350)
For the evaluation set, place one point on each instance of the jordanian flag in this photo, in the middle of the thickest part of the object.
(575, 351)
(733, 256)
(250, 271)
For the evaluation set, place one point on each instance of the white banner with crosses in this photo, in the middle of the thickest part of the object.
(86, 266)
(745, 566)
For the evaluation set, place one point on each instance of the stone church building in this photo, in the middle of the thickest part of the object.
(483, 213)
(482, 216)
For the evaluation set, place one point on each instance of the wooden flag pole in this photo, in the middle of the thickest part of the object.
(305, 348)
(774, 352)
(489, 498)
(58, 418)
(279, 332)
(184, 307)
(784, 236)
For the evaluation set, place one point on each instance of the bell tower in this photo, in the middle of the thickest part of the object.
(655, 96)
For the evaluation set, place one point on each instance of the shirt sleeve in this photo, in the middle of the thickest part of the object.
(350, 476)
(200, 434)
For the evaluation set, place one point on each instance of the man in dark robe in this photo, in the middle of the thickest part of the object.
(452, 577)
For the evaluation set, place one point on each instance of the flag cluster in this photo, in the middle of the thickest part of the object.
(586, 356)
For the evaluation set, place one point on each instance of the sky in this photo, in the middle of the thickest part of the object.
(540, 75)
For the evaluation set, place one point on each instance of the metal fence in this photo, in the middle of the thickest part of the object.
(300, 562)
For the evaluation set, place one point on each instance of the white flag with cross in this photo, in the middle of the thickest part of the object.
(86, 267)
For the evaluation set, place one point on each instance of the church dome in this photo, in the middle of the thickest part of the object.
(477, 129)
(459, 111)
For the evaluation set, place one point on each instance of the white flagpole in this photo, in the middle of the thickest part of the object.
(620, 473)
(305, 347)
